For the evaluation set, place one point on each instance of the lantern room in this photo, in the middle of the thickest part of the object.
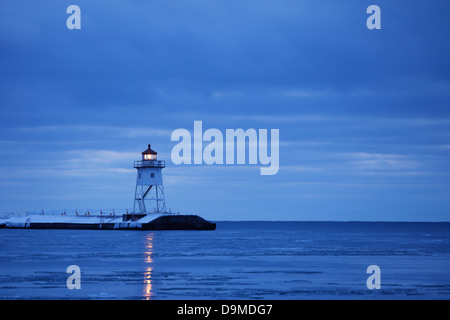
(149, 154)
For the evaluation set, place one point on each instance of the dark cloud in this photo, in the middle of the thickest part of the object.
(353, 106)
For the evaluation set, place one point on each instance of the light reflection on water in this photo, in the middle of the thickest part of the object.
(147, 291)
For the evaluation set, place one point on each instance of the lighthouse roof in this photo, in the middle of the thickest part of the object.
(149, 151)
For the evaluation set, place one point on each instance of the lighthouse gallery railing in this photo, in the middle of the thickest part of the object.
(150, 163)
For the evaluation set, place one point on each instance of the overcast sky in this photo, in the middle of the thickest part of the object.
(364, 115)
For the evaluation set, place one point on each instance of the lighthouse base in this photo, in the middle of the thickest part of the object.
(179, 222)
(147, 222)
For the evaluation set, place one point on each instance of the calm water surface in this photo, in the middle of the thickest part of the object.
(240, 260)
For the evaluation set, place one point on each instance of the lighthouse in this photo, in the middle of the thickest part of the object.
(148, 199)
(149, 195)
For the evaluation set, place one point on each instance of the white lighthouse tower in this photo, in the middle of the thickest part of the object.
(149, 195)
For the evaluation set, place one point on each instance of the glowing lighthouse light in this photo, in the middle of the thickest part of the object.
(149, 154)
(149, 195)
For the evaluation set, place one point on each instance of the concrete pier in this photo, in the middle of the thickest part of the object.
(125, 222)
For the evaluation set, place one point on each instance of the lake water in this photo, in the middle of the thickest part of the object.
(240, 260)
